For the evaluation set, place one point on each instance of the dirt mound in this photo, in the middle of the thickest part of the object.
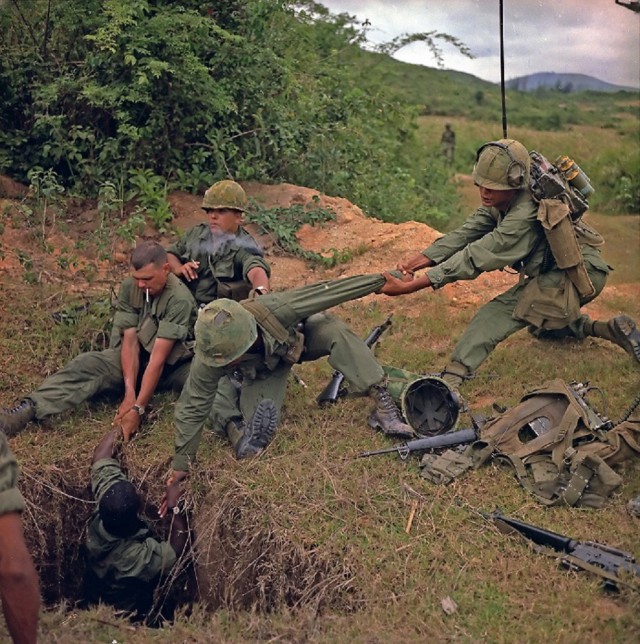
(368, 244)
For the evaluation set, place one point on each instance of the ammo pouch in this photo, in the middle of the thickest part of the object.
(554, 215)
(234, 290)
(292, 341)
(548, 305)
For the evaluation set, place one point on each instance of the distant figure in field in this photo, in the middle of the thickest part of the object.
(448, 143)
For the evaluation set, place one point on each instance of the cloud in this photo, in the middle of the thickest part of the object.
(598, 38)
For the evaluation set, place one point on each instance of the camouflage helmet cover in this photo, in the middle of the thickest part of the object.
(225, 194)
(224, 331)
(502, 165)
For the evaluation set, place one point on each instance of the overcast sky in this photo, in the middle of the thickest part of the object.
(594, 37)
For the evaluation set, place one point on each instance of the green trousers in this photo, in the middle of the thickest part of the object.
(92, 373)
(494, 322)
(325, 335)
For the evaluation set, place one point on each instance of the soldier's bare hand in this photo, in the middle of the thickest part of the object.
(130, 424)
(189, 270)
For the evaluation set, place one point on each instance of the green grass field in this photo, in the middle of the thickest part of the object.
(309, 544)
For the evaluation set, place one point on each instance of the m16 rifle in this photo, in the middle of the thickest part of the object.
(459, 437)
(333, 390)
(603, 560)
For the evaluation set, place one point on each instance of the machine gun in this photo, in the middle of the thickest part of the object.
(333, 391)
(605, 561)
(459, 437)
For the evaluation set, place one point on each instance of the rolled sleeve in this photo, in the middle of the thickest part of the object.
(126, 316)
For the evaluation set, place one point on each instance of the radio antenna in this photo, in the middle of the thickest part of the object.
(502, 89)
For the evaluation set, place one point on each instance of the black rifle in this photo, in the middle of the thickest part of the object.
(576, 555)
(449, 439)
(332, 391)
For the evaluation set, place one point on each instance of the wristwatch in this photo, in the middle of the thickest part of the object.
(139, 409)
(179, 507)
(261, 290)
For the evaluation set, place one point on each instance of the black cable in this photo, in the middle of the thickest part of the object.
(502, 88)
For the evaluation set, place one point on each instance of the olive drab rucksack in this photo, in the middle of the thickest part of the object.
(560, 449)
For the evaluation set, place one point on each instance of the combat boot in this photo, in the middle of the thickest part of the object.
(620, 330)
(15, 419)
(250, 439)
(386, 416)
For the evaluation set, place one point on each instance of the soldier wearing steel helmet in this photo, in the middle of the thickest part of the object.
(220, 258)
(257, 342)
(505, 232)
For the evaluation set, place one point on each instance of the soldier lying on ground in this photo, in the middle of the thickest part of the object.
(124, 561)
(505, 232)
(152, 329)
(244, 354)
(19, 589)
(220, 259)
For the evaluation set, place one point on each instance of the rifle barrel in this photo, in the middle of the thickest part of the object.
(449, 439)
(538, 535)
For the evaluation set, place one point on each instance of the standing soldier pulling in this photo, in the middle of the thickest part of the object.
(508, 230)
(220, 258)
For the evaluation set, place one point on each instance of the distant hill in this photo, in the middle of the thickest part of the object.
(564, 83)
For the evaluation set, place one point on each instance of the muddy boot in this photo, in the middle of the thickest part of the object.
(620, 330)
(386, 416)
(249, 439)
(15, 419)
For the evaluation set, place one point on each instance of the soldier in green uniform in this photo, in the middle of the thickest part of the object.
(19, 588)
(505, 232)
(151, 349)
(257, 341)
(448, 143)
(220, 258)
(124, 561)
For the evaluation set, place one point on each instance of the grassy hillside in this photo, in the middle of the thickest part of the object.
(307, 543)
(451, 93)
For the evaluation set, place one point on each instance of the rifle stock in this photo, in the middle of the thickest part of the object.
(333, 391)
(449, 439)
(603, 560)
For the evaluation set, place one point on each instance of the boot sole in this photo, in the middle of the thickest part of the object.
(627, 328)
(260, 430)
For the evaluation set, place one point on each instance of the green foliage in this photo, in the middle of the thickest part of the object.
(150, 192)
(282, 224)
(187, 93)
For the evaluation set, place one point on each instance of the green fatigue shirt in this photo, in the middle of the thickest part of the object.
(171, 316)
(123, 567)
(10, 498)
(289, 307)
(227, 259)
(490, 240)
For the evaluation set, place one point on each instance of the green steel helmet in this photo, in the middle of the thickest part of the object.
(225, 194)
(502, 165)
(224, 331)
